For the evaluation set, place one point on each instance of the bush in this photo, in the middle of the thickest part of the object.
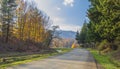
(104, 46)
(117, 44)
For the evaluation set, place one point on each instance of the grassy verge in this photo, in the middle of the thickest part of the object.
(104, 60)
(21, 58)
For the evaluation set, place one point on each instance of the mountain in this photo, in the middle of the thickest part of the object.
(67, 34)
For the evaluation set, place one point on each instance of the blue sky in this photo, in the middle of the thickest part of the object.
(68, 14)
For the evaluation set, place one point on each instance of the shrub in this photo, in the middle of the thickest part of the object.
(104, 46)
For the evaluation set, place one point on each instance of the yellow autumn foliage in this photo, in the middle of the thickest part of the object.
(73, 45)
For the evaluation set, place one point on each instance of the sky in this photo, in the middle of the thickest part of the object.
(69, 15)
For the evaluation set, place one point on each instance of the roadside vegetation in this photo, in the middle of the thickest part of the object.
(105, 61)
(102, 32)
(11, 59)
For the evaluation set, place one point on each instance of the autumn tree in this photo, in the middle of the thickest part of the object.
(27, 26)
(32, 24)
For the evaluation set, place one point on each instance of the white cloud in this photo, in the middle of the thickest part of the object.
(57, 19)
(58, 8)
(70, 27)
(68, 2)
(63, 26)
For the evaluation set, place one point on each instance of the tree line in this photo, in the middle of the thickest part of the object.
(24, 27)
(102, 32)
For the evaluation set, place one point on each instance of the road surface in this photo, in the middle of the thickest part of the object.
(76, 59)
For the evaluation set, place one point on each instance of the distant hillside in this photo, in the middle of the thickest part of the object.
(67, 34)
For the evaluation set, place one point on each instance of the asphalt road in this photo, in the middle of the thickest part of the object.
(76, 59)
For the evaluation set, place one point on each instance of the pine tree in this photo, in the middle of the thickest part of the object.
(77, 37)
(7, 10)
(104, 18)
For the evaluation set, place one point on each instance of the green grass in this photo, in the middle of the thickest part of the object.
(22, 58)
(104, 60)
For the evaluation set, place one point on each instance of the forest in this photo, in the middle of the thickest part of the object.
(27, 34)
(24, 27)
(102, 32)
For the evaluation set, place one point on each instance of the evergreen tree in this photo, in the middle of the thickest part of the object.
(7, 10)
(82, 36)
(78, 37)
(104, 20)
